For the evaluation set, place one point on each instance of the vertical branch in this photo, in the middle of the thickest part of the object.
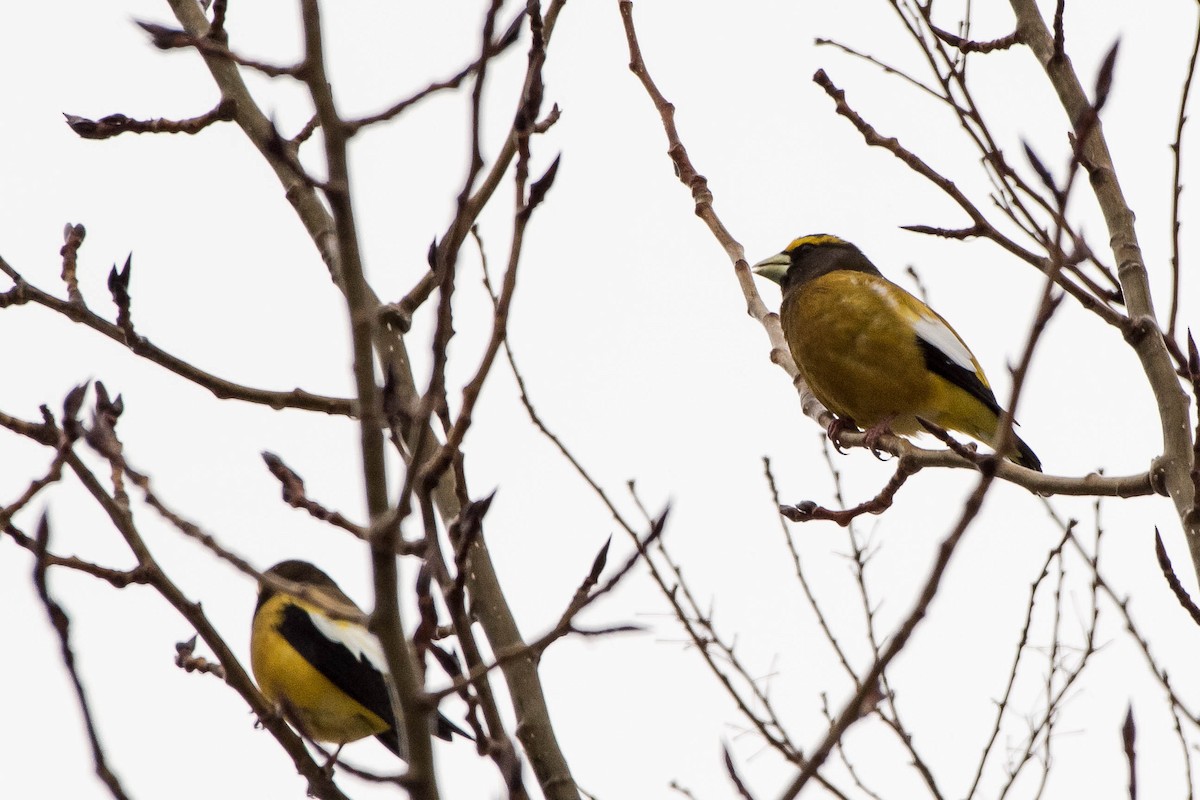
(488, 603)
(385, 621)
(1144, 336)
(62, 626)
(1177, 180)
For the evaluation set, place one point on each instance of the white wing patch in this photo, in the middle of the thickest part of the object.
(938, 334)
(932, 329)
(357, 639)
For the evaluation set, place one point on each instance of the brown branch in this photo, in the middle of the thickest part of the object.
(62, 626)
(76, 311)
(305, 133)
(73, 236)
(588, 592)
(117, 578)
(731, 771)
(1145, 338)
(320, 783)
(385, 619)
(1168, 571)
(186, 660)
(969, 46)
(45, 432)
(294, 495)
(1177, 180)
(118, 286)
(1138, 484)
(116, 124)
(980, 225)
(1128, 741)
(165, 38)
(53, 475)
(854, 708)
(506, 40)
(809, 595)
(490, 607)
(809, 511)
(470, 395)
(885, 68)
(1191, 518)
(1019, 652)
(217, 31)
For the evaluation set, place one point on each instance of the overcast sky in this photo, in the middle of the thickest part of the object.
(634, 340)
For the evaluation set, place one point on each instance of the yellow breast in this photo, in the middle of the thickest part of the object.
(857, 351)
(326, 712)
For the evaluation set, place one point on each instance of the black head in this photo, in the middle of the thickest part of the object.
(810, 257)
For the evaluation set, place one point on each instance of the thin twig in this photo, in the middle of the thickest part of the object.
(116, 124)
(62, 626)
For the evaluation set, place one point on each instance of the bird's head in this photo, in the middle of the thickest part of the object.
(811, 257)
(319, 586)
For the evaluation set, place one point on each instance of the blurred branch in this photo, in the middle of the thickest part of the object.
(212, 46)
(62, 626)
(76, 311)
(488, 602)
(1164, 563)
(116, 124)
(1177, 180)
(188, 661)
(295, 496)
(505, 41)
(1128, 742)
(384, 620)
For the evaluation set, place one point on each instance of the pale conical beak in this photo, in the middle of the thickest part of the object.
(773, 268)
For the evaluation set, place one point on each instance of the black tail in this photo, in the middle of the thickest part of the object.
(1025, 456)
(441, 727)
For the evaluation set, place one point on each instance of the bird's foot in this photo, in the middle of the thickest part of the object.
(877, 432)
(835, 430)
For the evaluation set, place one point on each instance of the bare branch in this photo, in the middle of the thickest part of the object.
(73, 236)
(62, 626)
(165, 38)
(141, 346)
(808, 510)
(1128, 740)
(116, 124)
(1177, 180)
(186, 660)
(1164, 563)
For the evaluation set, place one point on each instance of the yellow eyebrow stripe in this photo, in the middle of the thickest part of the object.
(819, 238)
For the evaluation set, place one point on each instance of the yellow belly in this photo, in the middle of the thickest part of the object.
(325, 712)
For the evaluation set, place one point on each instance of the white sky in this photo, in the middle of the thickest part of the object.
(637, 350)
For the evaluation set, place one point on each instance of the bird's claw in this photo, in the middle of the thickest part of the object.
(875, 433)
(835, 430)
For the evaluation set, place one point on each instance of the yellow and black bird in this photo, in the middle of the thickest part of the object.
(875, 355)
(326, 673)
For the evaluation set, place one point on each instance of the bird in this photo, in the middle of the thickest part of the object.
(326, 674)
(875, 355)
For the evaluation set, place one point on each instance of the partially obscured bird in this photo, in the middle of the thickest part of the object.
(875, 355)
(326, 673)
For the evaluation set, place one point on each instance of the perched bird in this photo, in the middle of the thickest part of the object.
(875, 355)
(326, 673)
